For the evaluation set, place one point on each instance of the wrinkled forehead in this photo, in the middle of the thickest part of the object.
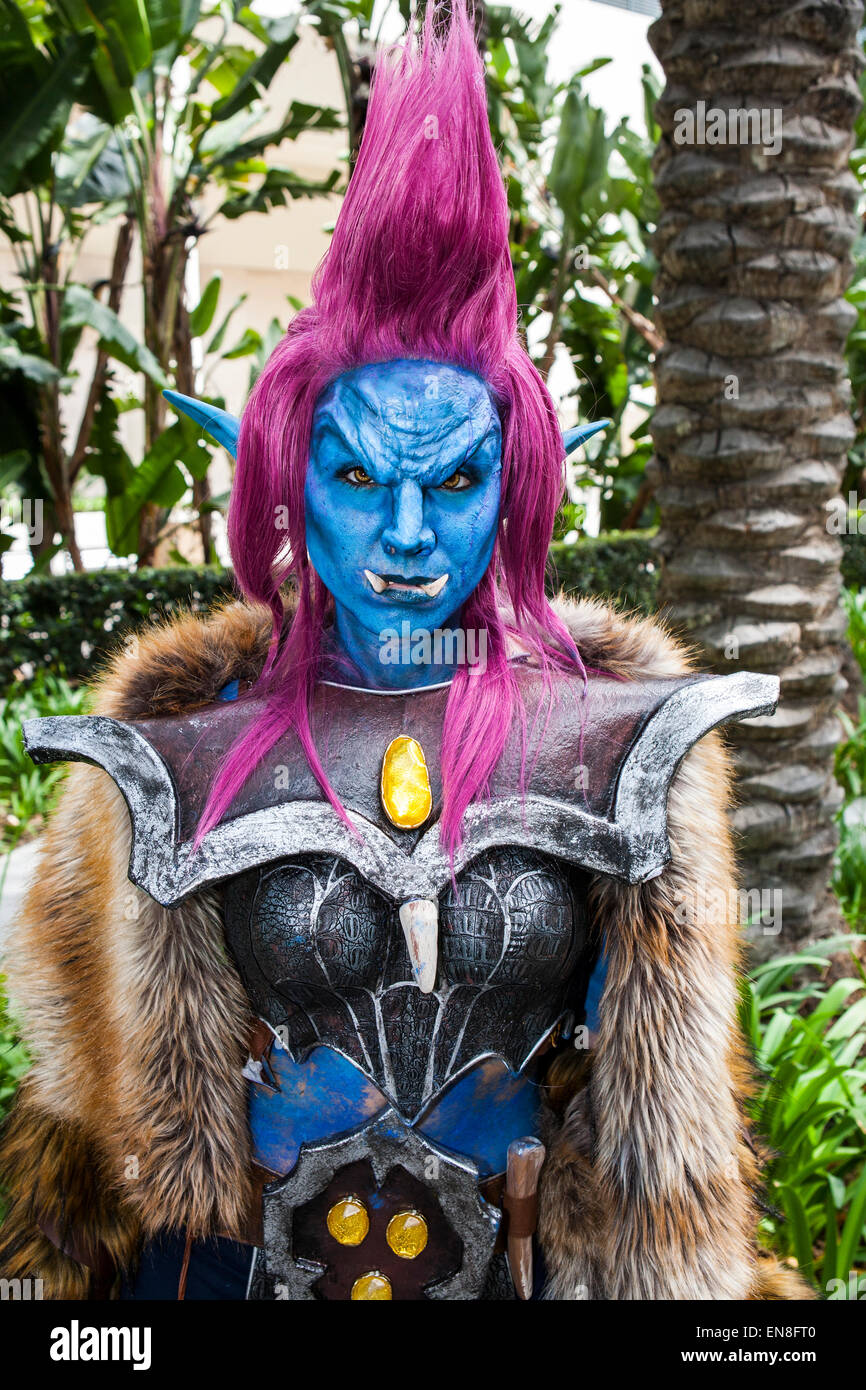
(408, 408)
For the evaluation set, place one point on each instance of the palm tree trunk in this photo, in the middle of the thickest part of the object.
(754, 420)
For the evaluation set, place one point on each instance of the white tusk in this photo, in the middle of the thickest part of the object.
(419, 919)
(376, 581)
(435, 588)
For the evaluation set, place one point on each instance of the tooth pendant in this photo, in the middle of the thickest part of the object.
(419, 919)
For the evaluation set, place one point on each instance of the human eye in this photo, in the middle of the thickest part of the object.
(458, 482)
(357, 476)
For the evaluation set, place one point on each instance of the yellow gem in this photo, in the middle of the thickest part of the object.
(407, 1234)
(348, 1221)
(372, 1285)
(406, 793)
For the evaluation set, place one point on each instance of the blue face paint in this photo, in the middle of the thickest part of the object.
(402, 503)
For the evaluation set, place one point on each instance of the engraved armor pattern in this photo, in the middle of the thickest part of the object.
(322, 955)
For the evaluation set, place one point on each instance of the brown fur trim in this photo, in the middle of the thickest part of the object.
(775, 1283)
(60, 1181)
(655, 1141)
(137, 1020)
(183, 664)
(137, 1024)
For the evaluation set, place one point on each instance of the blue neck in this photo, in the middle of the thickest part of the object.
(360, 654)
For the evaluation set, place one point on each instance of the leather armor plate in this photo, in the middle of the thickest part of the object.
(598, 763)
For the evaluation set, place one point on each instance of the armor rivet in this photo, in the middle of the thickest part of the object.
(405, 784)
(407, 1234)
(372, 1285)
(348, 1221)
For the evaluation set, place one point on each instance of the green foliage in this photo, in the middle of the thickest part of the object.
(850, 869)
(27, 791)
(13, 1058)
(622, 567)
(810, 1108)
(855, 604)
(14, 1062)
(71, 622)
(94, 127)
(854, 561)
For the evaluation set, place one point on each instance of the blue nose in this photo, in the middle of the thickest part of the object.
(408, 534)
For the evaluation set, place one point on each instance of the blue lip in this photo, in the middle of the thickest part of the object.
(410, 596)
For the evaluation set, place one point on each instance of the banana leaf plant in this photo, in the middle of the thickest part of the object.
(142, 116)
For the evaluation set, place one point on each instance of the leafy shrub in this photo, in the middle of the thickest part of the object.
(810, 1108)
(70, 622)
(28, 791)
(621, 566)
(13, 1058)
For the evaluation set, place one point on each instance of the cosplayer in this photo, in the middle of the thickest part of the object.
(381, 948)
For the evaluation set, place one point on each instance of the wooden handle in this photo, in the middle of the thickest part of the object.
(525, 1157)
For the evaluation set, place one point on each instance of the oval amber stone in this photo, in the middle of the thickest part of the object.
(348, 1221)
(407, 1234)
(370, 1286)
(406, 794)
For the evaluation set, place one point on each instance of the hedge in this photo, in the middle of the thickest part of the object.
(73, 621)
(621, 565)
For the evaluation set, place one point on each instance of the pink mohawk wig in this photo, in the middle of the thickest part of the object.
(419, 267)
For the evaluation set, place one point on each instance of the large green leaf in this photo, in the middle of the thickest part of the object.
(127, 34)
(156, 480)
(36, 369)
(36, 96)
(185, 438)
(298, 119)
(83, 309)
(259, 74)
(854, 1228)
(90, 167)
(275, 190)
(107, 459)
(168, 21)
(13, 466)
(218, 338)
(580, 161)
(201, 317)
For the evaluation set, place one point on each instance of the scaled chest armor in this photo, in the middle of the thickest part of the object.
(405, 1000)
(325, 961)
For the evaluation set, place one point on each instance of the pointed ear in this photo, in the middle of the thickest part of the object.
(574, 438)
(224, 428)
